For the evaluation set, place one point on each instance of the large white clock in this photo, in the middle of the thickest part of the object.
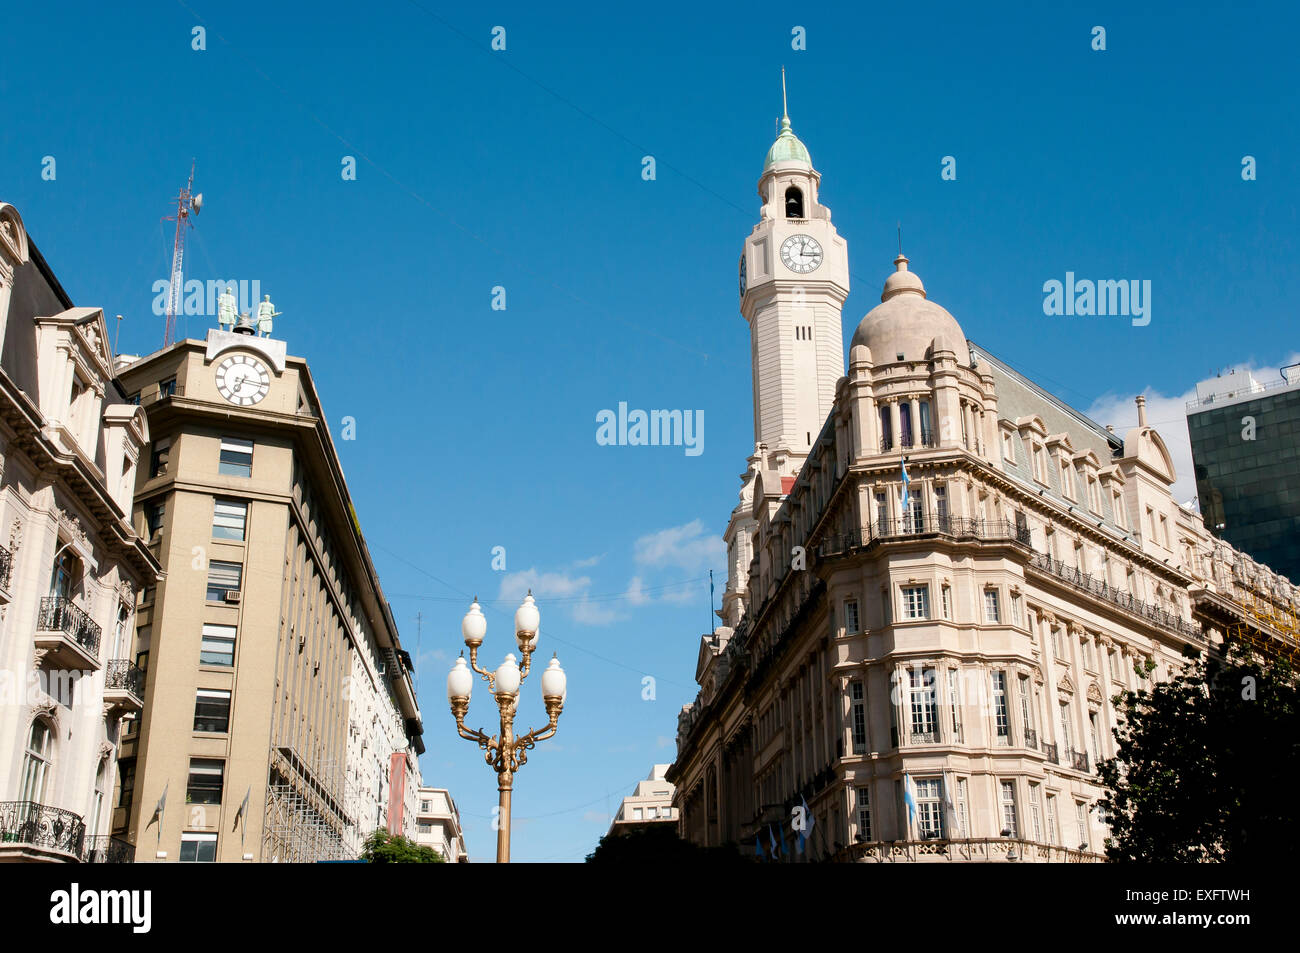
(801, 253)
(242, 379)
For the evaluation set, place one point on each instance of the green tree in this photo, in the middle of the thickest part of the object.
(1206, 763)
(382, 847)
(658, 843)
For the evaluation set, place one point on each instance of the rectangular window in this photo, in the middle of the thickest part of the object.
(963, 812)
(1096, 736)
(991, 613)
(941, 505)
(929, 807)
(158, 458)
(223, 578)
(236, 457)
(205, 781)
(1000, 719)
(947, 602)
(1117, 508)
(1009, 828)
(212, 710)
(228, 519)
(1067, 479)
(1017, 618)
(636, 814)
(954, 706)
(126, 771)
(218, 645)
(1008, 446)
(153, 515)
(652, 813)
(1026, 719)
(882, 514)
(916, 602)
(859, 718)
(863, 796)
(851, 615)
(1081, 823)
(1067, 738)
(1053, 836)
(1058, 645)
(1035, 811)
(923, 706)
(167, 388)
(198, 848)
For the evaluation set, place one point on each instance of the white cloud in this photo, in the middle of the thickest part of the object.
(1168, 415)
(686, 546)
(553, 585)
(594, 613)
(588, 562)
(635, 594)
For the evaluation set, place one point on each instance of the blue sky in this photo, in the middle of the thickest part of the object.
(522, 169)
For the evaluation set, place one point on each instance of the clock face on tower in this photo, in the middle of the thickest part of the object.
(242, 379)
(801, 253)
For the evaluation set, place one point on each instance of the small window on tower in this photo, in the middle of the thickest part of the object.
(793, 203)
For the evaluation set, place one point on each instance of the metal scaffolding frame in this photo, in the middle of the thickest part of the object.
(306, 821)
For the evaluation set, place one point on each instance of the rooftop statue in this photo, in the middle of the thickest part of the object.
(265, 312)
(227, 311)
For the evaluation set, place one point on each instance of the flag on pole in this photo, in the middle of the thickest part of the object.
(758, 848)
(909, 799)
(809, 822)
(784, 849)
(906, 480)
(158, 812)
(771, 840)
(242, 813)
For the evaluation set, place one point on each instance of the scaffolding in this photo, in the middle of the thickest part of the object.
(306, 820)
(1273, 629)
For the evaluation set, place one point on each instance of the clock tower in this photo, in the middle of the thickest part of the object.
(794, 278)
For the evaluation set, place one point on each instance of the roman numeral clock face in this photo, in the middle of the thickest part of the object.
(801, 253)
(243, 380)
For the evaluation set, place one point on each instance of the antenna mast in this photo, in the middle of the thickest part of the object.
(185, 204)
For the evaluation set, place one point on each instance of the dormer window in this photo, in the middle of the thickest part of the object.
(793, 203)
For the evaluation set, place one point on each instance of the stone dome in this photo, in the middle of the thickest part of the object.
(907, 323)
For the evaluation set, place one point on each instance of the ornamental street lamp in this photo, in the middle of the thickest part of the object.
(504, 752)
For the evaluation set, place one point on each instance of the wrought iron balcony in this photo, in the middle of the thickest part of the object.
(923, 737)
(1116, 597)
(1031, 738)
(1078, 760)
(106, 849)
(28, 827)
(65, 631)
(6, 567)
(124, 684)
(1050, 752)
(955, 527)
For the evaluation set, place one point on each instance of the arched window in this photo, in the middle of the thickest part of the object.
(905, 424)
(66, 574)
(886, 429)
(97, 799)
(36, 762)
(793, 203)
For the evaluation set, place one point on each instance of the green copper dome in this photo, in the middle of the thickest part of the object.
(787, 148)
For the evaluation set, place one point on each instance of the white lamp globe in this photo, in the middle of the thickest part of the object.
(527, 618)
(459, 680)
(506, 681)
(474, 625)
(553, 680)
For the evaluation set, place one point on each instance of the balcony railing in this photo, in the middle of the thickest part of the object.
(925, 440)
(6, 566)
(1031, 738)
(27, 823)
(923, 737)
(1078, 760)
(1117, 597)
(106, 849)
(123, 675)
(953, 526)
(1050, 752)
(964, 849)
(60, 614)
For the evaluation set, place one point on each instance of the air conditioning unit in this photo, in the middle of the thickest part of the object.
(232, 596)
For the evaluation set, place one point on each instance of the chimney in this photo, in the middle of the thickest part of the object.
(1142, 410)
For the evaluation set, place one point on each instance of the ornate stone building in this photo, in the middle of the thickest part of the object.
(71, 564)
(938, 581)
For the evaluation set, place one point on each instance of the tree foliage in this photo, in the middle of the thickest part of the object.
(1206, 764)
(382, 847)
(658, 843)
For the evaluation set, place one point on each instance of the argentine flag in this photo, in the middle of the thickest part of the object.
(909, 798)
(906, 480)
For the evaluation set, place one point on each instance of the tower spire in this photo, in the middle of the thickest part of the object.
(785, 110)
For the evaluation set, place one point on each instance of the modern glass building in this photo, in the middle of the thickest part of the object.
(1246, 451)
